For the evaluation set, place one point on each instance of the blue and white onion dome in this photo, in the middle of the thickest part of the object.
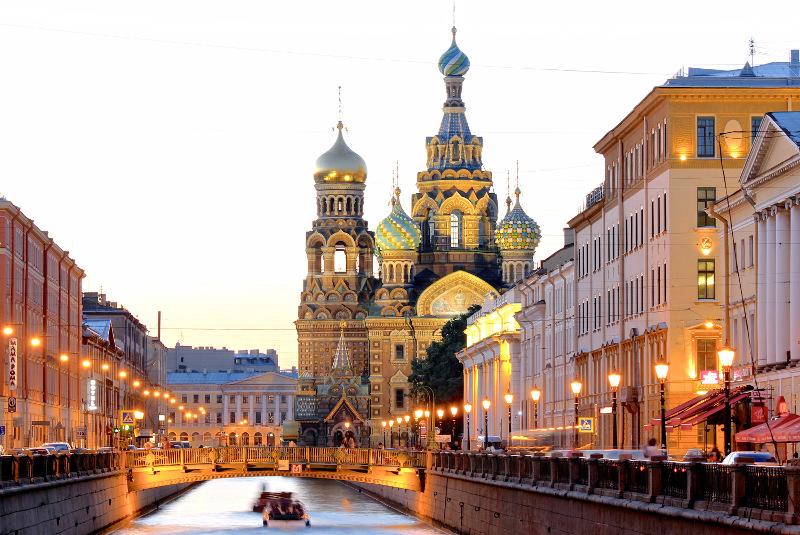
(340, 163)
(397, 232)
(517, 230)
(454, 62)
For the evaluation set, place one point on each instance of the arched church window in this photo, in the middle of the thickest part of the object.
(511, 273)
(455, 228)
(339, 259)
(339, 206)
(455, 156)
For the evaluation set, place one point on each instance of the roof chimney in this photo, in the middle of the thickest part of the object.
(795, 58)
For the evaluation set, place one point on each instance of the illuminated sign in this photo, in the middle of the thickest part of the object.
(586, 425)
(709, 377)
(92, 395)
(12, 364)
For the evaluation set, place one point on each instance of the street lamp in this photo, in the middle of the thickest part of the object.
(383, 424)
(408, 431)
(453, 411)
(613, 379)
(467, 409)
(661, 372)
(576, 385)
(486, 405)
(391, 438)
(417, 416)
(440, 413)
(726, 355)
(509, 400)
(536, 394)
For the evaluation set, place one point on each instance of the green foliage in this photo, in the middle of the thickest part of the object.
(441, 370)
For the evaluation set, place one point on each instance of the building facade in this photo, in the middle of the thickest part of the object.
(233, 409)
(187, 358)
(40, 300)
(647, 252)
(433, 264)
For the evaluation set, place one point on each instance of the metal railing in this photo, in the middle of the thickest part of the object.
(738, 488)
(30, 469)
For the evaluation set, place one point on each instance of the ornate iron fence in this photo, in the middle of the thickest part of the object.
(674, 479)
(766, 488)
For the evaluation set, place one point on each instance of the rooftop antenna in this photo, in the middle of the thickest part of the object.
(752, 51)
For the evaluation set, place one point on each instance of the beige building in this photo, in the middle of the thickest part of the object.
(647, 253)
(236, 409)
(761, 291)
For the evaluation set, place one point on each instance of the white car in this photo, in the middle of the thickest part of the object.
(763, 458)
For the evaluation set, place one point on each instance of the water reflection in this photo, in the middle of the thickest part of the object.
(223, 506)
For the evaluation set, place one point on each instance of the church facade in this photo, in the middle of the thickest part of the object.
(357, 333)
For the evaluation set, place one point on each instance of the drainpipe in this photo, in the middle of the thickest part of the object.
(725, 299)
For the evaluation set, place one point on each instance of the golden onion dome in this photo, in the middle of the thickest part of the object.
(340, 163)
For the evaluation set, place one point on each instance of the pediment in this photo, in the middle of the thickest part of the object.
(452, 295)
(266, 378)
(399, 377)
(771, 152)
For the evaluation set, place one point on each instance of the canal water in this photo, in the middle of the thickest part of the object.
(224, 506)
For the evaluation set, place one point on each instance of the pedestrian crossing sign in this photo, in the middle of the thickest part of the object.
(586, 425)
(128, 417)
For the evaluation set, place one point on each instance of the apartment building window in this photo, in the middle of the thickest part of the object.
(219, 398)
(755, 124)
(207, 398)
(664, 227)
(741, 253)
(398, 351)
(706, 354)
(232, 398)
(258, 400)
(232, 418)
(705, 137)
(750, 249)
(272, 417)
(735, 259)
(705, 279)
(705, 196)
(219, 417)
(195, 398)
(399, 398)
(258, 417)
(184, 398)
(244, 399)
(283, 399)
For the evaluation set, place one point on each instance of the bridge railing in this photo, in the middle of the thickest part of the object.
(270, 456)
(765, 492)
(27, 469)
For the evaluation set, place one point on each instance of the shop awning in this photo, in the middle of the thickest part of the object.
(699, 409)
(765, 432)
(789, 432)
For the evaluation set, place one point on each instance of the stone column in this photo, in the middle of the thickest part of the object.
(290, 410)
(761, 293)
(238, 408)
(224, 408)
(278, 408)
(771, 279)
(782, 246)
(794, 289)
(263, 408)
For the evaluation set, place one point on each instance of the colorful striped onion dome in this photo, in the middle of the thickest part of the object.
(454, 62)
(517, 230)
(397, 232)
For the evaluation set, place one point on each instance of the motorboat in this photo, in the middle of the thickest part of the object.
(279, 508)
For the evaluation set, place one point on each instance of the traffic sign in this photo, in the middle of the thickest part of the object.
(423, 427)
(12, 404)
(586, 425)
(2, 430)
(128, 417)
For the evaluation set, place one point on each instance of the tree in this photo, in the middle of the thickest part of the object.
(441, 370)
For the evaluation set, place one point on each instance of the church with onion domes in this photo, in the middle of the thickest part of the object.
(357, 333)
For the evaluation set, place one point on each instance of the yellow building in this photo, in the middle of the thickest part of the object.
(648, 255)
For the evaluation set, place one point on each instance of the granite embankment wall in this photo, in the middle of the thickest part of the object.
(80, 506)
(471, 507)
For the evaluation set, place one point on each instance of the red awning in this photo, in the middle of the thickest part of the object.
(687, 423)
(789, 432)
(765, 432)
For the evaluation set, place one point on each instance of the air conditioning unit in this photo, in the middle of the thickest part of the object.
(628, 394)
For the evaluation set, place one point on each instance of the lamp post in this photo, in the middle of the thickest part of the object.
(726, 355)
(576, 385)
(417, 416)
(535, 395)
(509, 400)
(383, 424)
(453, 411)
(661, 372)
(467, 409)
(613, 379)
(391, 437)
(408, 431)
(399, 432)
(440, 414)
(486, 405)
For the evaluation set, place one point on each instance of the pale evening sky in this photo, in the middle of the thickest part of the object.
(169, 145)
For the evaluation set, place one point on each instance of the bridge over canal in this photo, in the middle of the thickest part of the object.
(155, 468)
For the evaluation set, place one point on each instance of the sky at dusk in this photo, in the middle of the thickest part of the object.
(169, 145)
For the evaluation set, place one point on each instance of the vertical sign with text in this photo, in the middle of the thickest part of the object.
(12, 364)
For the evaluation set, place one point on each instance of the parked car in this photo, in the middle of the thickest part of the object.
(759, 457)
(43, 450)
(615, 454)
(59, 446)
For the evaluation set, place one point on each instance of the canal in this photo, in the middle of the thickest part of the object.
(223, 506)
